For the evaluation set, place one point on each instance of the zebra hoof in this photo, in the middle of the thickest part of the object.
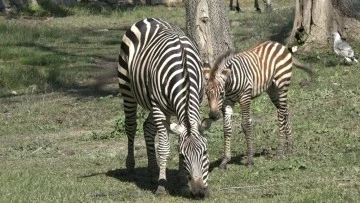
(223, 166)
(224, 161)
(160, 191)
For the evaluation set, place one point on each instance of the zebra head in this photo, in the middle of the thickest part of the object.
(215, 89)
(194, 157)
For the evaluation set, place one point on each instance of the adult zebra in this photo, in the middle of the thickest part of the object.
(160, 69)
(244, 76)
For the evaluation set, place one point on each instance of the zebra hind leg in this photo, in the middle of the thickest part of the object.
(149, 135)
(279, 99)
(130, 108)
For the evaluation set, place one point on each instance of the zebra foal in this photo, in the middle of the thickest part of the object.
(160, 69)
(240, 78)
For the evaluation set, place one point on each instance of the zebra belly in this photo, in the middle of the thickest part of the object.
(261, 84)
(258, 91)
(143, 93)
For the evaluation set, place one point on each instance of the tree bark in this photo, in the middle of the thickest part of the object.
(208, 24)
(316, 20)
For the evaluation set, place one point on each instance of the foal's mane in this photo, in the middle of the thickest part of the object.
(220, 61)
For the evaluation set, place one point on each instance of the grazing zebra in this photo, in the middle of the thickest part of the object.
(267, 3)
(160, 69)
(244, 76)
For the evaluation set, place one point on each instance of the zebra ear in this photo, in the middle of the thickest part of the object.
(206, 70)
(225, 73)
(176, 129)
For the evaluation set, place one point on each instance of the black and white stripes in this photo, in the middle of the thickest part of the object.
(243, 76)
(160, 69)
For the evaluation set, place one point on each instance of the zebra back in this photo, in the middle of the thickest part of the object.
(152, 50)
(259, 66)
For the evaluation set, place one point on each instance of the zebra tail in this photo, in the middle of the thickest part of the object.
(302, 66)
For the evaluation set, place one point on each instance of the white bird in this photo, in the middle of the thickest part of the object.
(343, 49)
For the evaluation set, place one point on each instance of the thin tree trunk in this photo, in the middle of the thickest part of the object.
(207, 23)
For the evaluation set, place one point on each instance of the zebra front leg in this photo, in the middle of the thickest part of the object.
(227, 112)
(246, 127)
(130, 108)
(163, 148)
(149, 135)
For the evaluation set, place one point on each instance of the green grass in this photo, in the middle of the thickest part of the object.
(62, 142)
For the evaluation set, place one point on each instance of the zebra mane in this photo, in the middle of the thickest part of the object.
(220, 62)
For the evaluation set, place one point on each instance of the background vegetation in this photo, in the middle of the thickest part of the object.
(62, 141)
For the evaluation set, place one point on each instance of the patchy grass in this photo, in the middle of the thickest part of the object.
(61, 141)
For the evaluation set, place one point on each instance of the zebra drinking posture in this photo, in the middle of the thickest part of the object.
(160, 69)
(242, 77)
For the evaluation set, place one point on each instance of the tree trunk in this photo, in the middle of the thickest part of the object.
(208, 24)
(316, 20)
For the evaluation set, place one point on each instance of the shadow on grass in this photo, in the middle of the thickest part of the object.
(44, 48)
(44, 71)
(238, 159)
(142, 179)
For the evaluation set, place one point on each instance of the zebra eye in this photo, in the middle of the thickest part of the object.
(205, 153)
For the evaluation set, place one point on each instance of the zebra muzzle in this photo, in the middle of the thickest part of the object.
(198, 190)
(214, 115)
